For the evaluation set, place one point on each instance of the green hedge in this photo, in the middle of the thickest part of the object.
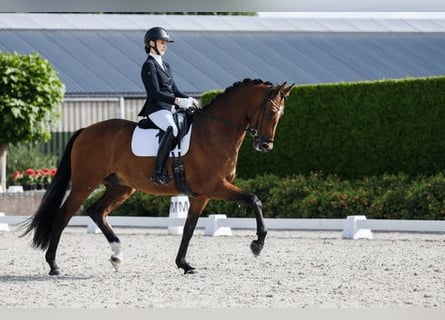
(356, 129)
(319, 196)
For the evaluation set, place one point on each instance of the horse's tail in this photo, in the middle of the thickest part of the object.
(43, 220)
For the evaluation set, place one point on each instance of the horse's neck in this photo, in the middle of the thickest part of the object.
(223, 127)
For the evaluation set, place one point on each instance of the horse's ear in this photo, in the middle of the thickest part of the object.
(287, 90)
(283, 85)
(278, 88)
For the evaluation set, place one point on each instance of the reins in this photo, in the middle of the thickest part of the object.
(225, 121)
(252, 131)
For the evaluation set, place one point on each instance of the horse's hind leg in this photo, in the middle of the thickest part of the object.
(59, 224)
(114, 195)
(67, 211)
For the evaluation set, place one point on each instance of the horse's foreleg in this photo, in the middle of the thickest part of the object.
(187, 234)
(233, 193)
(196, 206)
(255, 203)
(114, 196)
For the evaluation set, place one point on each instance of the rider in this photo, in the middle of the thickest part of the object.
(163, 97)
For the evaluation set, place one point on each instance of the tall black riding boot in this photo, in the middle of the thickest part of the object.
(165, 146)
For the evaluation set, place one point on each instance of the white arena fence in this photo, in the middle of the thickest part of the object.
(215, 224)
(353, 227)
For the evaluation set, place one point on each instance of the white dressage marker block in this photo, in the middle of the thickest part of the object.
(179, 208)
(3, 226)
(214, 229)
(15, 189)
(353, 231)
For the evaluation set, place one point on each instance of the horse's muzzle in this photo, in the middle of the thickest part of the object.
(263, 144)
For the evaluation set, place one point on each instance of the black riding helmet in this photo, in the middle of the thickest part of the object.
(156, 33)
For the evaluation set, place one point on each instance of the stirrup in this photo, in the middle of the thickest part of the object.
(160, 178)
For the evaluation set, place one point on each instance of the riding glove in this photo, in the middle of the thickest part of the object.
(194, 102)
(184, 103)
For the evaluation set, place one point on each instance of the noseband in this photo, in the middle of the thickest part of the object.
(254, 132)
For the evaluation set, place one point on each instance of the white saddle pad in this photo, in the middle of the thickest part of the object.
(144, 143)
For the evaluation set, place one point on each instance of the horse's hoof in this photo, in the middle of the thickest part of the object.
(54, 272)
(191, 271)
(116, 262)
(256, 248)
(188, 269)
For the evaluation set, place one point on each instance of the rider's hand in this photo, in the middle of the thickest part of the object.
(184, 103)
(194, 102)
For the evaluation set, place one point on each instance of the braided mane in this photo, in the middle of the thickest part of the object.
(235, 86)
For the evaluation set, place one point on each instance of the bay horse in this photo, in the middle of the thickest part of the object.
(100, 153)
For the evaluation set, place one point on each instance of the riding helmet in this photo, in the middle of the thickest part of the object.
(156, 33)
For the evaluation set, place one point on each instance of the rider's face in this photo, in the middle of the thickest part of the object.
(162, 46)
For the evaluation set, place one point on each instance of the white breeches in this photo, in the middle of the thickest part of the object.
(164, 119)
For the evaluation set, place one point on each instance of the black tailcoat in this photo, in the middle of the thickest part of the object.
(160, 86)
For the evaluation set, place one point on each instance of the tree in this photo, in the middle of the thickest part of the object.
(31, 94)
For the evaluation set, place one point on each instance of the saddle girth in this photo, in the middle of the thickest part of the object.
(178, 169)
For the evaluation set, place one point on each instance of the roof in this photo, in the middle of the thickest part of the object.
(317, 23)
(103, 54)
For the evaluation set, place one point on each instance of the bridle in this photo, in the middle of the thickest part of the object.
(254, 132)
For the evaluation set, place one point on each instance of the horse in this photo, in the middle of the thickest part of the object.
(101, 154)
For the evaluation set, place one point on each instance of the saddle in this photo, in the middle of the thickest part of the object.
(141, 143)
(182, 119)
